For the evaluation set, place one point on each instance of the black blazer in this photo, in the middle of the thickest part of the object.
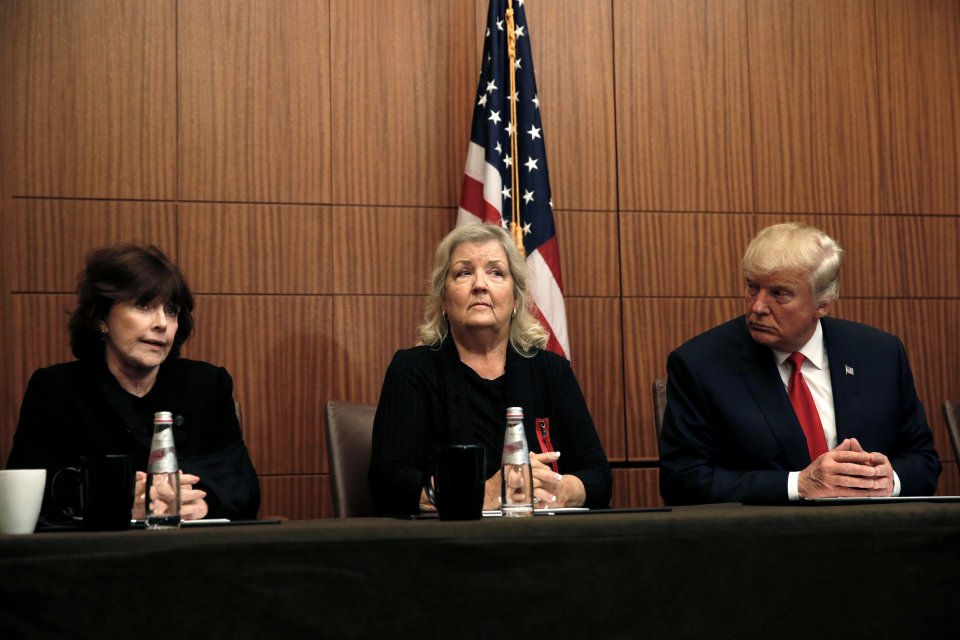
(730, 433)
(78, 408)
(423, 395)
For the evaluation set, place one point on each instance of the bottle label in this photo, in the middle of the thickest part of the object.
(162, 461)
(163, 453)
(515, 450)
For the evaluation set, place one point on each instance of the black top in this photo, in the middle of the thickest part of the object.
(430, 397)
(78, 408)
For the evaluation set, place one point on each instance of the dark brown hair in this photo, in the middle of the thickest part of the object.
(118, 274)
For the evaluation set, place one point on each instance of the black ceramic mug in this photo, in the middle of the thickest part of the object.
(459, 472)
(105, 484)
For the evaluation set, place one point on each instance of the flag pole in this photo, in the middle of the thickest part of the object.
(516, 228)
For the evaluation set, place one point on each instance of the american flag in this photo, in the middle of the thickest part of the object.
(487, 180)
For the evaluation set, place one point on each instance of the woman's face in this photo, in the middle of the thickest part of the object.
(479, 289)
(139, 336)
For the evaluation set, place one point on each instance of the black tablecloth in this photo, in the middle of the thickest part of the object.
(723, 571)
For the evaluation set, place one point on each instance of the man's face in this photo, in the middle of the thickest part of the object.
(781, 310)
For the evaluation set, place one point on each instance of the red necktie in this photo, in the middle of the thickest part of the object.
(806, 410)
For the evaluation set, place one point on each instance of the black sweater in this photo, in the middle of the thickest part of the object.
(77, 408)
(426, 400)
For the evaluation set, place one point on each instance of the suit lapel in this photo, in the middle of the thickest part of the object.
(759, 371)
(843, 380)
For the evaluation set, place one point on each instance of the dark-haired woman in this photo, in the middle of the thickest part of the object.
(134, 312)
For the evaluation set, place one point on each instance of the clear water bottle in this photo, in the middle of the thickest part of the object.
(516, 477)
(163, 476)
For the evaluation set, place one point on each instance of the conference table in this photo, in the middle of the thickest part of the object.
(878, 570)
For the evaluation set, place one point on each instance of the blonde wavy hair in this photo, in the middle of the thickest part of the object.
(800, 249)
(526, 332)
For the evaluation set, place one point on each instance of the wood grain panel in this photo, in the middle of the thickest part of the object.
(405, 95)
(949, 484)
(9, 400)
(652, 328)
(53, 237)
(279, 350)
(94, 95)
(10, 25)
(236, 248)
(40, 324)
(589, 252)
(255, 100)
(813, 87)
(597, 360)
(671, 254)
(305, 497)
(896, 256)
(683, 127)
(636, 488)
(573, 56)
(370, 329)
(919, 65)
(386, 250)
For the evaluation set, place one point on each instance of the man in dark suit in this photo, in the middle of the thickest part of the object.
(741, 425)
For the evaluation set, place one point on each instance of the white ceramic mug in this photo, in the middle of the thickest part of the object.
(21, 494)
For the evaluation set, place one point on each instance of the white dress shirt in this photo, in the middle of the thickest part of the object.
(816, 372)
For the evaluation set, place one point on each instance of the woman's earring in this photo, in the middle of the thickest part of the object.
(514, 314)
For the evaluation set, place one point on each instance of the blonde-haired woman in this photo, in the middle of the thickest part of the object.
(480, 351)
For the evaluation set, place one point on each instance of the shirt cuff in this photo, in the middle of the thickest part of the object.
(896, 485)
(793, 486)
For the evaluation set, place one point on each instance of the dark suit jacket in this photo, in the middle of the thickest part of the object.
(77, 408)
(424, 402)
(730, 433)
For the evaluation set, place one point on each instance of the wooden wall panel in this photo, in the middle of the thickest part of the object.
(683, 127)
(636, 488)
(236, 248)
(813, 87)
(597, 361)
(677, 254)
(949, 484)
(280, 351)
(94, 95)
(255, 100)
(386, 250)
(370, 330)
(305, 497)
(573, 59)
(589, 252)
(405, 93)
(919, 65)
(895, 256)
(53, 237)
(652, 328)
